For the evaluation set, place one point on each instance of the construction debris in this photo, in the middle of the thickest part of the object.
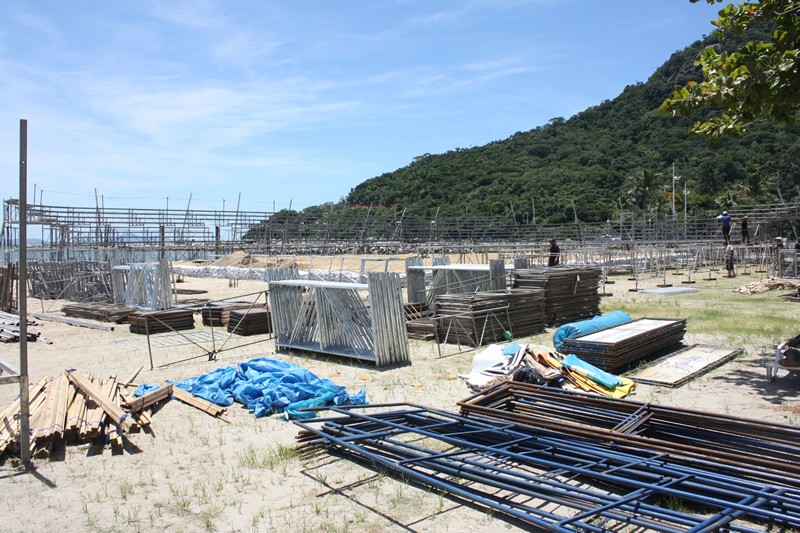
(768, 284)
(75, 407)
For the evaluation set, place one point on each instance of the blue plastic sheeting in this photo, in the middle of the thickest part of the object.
(268, 386)
(145, 388)
(573, 329)
(602, 377)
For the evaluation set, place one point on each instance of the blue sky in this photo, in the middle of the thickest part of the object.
(297, 102)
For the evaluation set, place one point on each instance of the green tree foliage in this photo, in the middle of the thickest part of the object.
(760, 78)
(595, 158)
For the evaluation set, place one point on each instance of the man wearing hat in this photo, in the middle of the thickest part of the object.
(726, 226)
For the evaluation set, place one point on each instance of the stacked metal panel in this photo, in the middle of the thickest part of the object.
(247, 322)
(161, 321)
(570, 293)
(562, 479)
(483, 317)
(754, 449)
(619, 346)
(218, 313)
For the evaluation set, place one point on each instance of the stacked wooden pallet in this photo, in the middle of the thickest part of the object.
(246, 322)
(618, 347)
(571, 293)
(485, 317)
(103, 312)
(218, 313)
(75, 407)
(161, 321)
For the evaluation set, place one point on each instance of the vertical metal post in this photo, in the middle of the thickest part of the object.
(22, 297)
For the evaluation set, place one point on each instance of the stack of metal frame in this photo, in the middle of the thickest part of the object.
(482, 318)
(557, 480)
(331, 317)
(247, 322)
(619, 346)
(161, 321)
(570, 293)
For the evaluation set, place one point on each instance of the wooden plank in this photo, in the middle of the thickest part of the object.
(143, 402)
(122, 419)
(131, 379)
(199, 403)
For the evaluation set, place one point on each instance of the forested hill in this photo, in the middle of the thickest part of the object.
(616, 155)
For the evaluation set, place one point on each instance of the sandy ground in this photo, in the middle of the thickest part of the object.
(195, 472)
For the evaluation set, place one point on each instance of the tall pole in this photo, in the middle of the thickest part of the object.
(22, 297)
(684, 210)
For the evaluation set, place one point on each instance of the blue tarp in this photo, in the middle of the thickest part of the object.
(573, 329)
(610, 381)
(268, 386)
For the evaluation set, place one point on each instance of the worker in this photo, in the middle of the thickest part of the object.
(726, 226)
(554, 259)
(745, 231)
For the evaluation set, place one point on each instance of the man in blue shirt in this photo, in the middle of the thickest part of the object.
(726, 226)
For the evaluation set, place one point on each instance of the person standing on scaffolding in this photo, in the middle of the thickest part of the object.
(745, 232)
(554, 259)
(726, 226)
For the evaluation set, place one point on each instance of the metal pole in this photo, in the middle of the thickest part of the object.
(22, 297)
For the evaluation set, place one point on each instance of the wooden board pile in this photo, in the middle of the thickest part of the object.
(247, 322)
(619, 346)
(483, 317)
(218, 313)
(104, 312)
(161, 321)
(76, 407)
(570, 293)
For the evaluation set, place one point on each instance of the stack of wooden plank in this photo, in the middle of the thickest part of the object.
(619, 346)
(161, 321)
(218, 313)
(484, 317)
(571, 293)
(103, 312)
(75, 407)
(246, 322)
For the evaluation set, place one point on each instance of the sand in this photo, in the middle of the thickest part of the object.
(195, 472)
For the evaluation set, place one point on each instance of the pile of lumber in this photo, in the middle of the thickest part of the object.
(484, 317)
(570, 293)
(768, 284)
(161, 321)
(76, 407)
(619, 346)
(254, 321)
(104, 312)
(218, 313)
